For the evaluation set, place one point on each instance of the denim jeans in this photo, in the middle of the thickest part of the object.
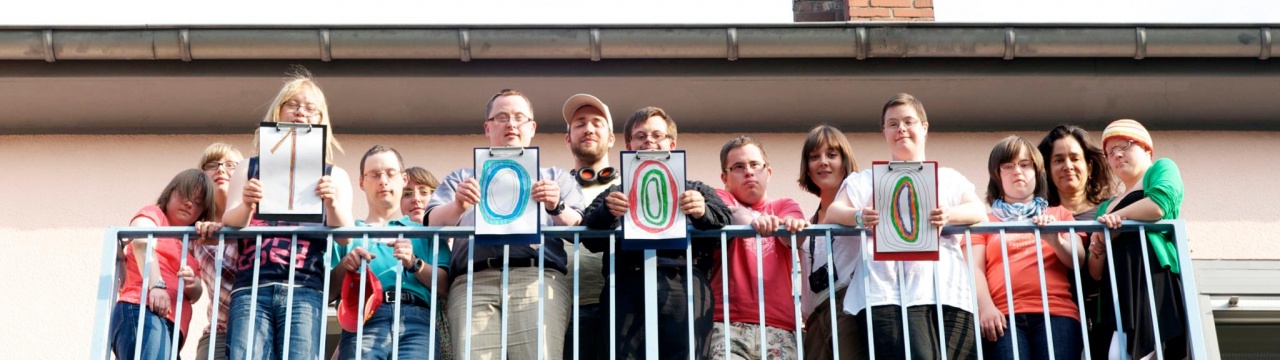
(415, 330)
(156, 333)
(269, 323)
(1032, 338)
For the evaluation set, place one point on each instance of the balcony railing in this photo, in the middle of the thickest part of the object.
(112, 275)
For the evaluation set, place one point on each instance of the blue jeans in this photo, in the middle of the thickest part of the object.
(415, 330)
(1032, 338)
(156, 333)
(269, 323)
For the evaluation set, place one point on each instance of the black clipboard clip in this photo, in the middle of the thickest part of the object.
(653, 154)
(280, 126)
(506, 151)
(893, 165)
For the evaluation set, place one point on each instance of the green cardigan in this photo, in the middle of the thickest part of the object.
(1163, 185)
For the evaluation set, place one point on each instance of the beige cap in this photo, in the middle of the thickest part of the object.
(578, 101)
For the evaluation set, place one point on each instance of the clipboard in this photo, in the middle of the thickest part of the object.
(290, 164)
(653, 181)
(904, 193)
(506, 213)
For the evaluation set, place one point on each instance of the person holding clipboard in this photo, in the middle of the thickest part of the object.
(255, 300)
(876, 284)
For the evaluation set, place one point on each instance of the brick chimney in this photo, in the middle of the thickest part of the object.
(862, 10)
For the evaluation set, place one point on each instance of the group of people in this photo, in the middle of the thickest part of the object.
(270, 290)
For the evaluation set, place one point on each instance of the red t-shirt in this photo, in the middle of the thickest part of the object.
(1026, 274)
(168, 255)
(779, 305)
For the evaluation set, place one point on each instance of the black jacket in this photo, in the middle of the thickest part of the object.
(597, 216)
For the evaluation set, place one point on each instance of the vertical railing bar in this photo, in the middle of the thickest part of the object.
(324, 323)
(650, 270)
(1008, 292)
(108, 294)
(1084, 327)
(831, 296)
(216, 303)
(1151, 297)
(147, 258)
(1115, 300)
(796, 289)
(177, 317)
(688, 293)
(435, 296)
(906, 325)
(395, 316)
(1044, 293)
(866, 294)
(577, 319)
(288, 297)
(471, 279)
(764, 343)
(506, 274)
(1189, 294)
(364, 269)
(253, 296)
(973, 283)
(613, 296)
(724, 289)
(542, 297)
(937, 300)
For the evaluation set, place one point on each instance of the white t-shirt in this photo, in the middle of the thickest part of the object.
(877, 282)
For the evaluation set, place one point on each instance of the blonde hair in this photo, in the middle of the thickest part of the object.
(217, 151)
(298, 82)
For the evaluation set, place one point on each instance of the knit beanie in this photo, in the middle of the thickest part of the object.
(1128, 129)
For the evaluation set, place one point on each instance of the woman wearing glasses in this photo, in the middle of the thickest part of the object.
(299, 101)
(218, 162)
(1153, 191)
(184, 202)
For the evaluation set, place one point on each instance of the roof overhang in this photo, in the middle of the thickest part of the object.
(414, 79)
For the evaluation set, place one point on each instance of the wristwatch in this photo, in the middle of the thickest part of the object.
(559, 209)
(418, 264)
(159, 285)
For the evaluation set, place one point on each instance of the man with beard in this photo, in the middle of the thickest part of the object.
(589, 137)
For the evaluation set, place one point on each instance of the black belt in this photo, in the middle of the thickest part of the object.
(406, 298)
(496, 263)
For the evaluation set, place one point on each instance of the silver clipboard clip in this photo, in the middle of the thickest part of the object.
(506, 151)
(653, 154)
(281, 126)
(894, 165)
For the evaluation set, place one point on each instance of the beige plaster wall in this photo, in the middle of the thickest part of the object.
(61, 191)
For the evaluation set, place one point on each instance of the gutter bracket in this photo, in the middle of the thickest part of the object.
(48, 46)
(1265, 52)
(860, 42)
(733, 43)
(1141, 36)
(595, 44)
(326, 48)
(464, 44)
(1010, 43)
(184, 46)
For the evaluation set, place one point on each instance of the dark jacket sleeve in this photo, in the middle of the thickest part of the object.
(717, 215)
(597, 216)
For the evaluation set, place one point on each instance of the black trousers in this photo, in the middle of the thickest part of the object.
(922, 324)
(673, 321)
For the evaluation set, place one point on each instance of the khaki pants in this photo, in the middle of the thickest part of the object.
(522, 314)
(744, 342)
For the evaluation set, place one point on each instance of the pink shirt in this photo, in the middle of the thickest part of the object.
(168, 254)
(779, 305)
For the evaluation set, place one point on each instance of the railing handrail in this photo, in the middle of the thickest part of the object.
(125, 232)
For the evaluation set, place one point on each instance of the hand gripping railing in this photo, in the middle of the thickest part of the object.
(111, 276)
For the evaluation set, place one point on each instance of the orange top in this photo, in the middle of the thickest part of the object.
(168, 254)
(1026, 276)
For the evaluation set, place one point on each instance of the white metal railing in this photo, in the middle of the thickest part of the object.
(111, 277)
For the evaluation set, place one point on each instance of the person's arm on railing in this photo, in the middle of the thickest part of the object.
(455, 196)
(990, 318)
(1062, 242)
(431, 265)
(715, 214)
(1097, 256)
(243, 195)
(605, 212)
(192, 286)
(970, 211)
(561, 191)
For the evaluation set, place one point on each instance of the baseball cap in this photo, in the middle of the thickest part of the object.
(348, 307)
(578, 101)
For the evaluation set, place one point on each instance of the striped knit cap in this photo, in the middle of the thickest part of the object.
(1129, 130)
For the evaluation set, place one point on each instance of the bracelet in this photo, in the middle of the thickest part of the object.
(857, 219)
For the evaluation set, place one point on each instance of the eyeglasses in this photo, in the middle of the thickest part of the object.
(1021, 166)
(1116, 150)
(905, 123)
(418, 190)
(377, 175)
(740, 168)
(656, 136)
(309, 108)
(513, 119)
(214, 166)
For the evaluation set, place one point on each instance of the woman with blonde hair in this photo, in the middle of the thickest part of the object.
(300, 100)
(219, 161)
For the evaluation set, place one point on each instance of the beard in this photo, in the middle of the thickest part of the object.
(587, 153)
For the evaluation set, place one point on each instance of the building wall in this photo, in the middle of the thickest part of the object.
(62, 191)
(862, 10)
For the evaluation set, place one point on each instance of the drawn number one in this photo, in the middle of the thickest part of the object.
(292, 135)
